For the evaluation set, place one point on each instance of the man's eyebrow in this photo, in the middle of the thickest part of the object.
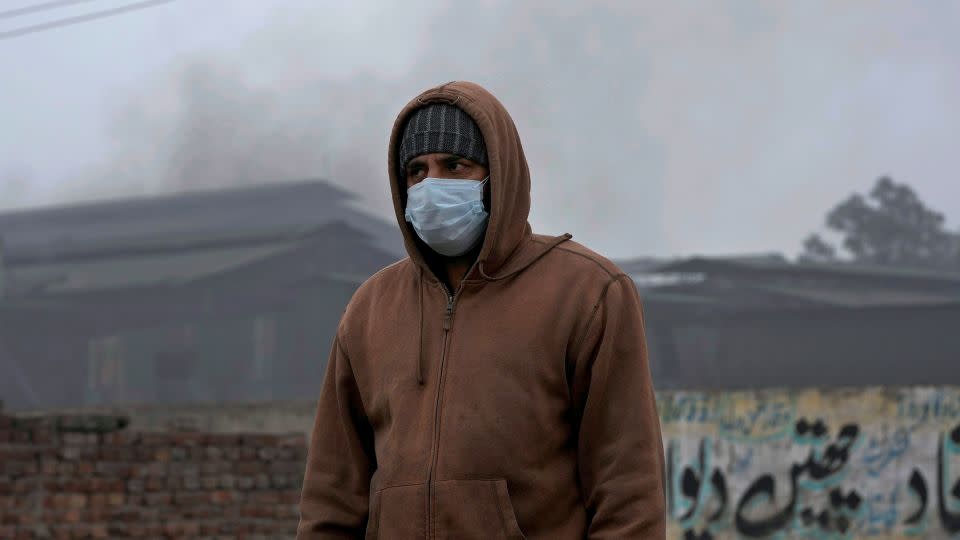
(451, 158)
(415, 162)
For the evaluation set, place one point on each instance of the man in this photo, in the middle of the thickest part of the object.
(494, 384)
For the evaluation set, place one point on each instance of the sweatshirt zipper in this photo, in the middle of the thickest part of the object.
(435, 443)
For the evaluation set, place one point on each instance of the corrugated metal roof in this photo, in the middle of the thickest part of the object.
(766, 282)
(835, 270)
(334, 251)
(50, 232)
(133, 271)
(863, 297)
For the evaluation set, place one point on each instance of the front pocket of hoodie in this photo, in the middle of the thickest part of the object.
(474, 510)
(398, 513)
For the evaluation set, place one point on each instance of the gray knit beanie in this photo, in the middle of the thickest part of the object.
(441, 128)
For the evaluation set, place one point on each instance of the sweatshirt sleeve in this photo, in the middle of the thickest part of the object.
(620, 450)
(340, 458)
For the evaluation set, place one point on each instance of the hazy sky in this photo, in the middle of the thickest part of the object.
(651, 128)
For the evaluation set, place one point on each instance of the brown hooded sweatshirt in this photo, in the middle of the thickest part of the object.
(519, 405)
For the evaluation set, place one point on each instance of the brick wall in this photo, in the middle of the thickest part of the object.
(90, 477)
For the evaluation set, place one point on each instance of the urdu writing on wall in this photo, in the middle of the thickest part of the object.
(832, 464)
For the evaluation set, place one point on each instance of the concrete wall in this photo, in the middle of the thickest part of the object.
(872, 463)
(825, 464)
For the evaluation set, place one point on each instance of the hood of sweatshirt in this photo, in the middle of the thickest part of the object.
(507, 229)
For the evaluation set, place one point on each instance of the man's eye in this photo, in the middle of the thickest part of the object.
(455, 166)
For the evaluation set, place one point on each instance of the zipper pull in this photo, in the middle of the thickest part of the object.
(449, 314)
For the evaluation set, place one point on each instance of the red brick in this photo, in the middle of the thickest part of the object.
(245, 483)
(288, 467)
(162, 454)
(209, 482)
(77, 500)
(18, 467)
(290, 497)
(187, 498)
(81, 530)
(265, 497)
(155, 483)
(222, 439)
(187, 439)
(191, 483)
(125, 515)
(73, 439)
(172, 528)
(153, 438)
(58, 501)
(249, 467)
(117, 453)
(222, 497)
(72, 516)
(262, 481)
(43, 435)
(21, 486)
(116, 438)
(251, 439)
(197, 512)
(158, 499)
(292, 440)
(98, 500)
(226, 481)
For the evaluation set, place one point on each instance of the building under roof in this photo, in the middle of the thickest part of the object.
(747, 322)
(221, 295)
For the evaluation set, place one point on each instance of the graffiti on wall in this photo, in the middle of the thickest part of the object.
(869, 463)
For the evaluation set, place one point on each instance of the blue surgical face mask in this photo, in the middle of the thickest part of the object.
(448, 215)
